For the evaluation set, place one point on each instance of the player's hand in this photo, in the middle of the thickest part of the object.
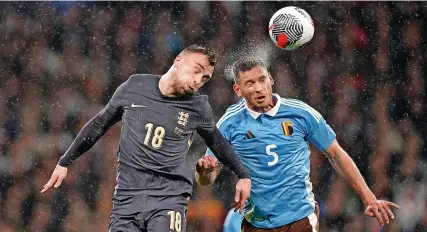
(243, 192)
(381, 210)
(56, 179)
(206, 164)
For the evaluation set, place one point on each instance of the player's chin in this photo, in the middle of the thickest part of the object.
(184, 91)
(189, 91)
(260, 102)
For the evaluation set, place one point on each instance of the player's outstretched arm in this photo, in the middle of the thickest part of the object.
(87, 137)
(207, 169)
(345, 166)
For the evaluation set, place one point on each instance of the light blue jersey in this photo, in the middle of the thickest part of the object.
(233, 221)
(274, 146)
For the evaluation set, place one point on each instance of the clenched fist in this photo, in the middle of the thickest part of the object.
(206, 165)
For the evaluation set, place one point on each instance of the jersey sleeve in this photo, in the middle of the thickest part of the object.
(225, 132)
(116, 104)
(95, 128)
(207, 123)
(318, 130)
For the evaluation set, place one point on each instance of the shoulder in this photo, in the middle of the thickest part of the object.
(143, 78)
(201, 101)
(232, 113)
(201, 97)
(301, 108)
(142, 83)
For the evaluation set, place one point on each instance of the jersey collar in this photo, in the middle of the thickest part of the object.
(272, 112)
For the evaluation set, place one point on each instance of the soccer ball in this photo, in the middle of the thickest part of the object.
(291, 27)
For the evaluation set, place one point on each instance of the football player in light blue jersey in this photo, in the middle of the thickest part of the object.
(271, 136)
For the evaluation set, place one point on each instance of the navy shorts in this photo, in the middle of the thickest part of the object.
(143, 213)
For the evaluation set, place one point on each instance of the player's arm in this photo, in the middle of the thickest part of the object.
(88, 136)
(208, 167)
(324, 138)
(225, 154)
(345, 166)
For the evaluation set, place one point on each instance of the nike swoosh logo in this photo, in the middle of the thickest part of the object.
(133, 105)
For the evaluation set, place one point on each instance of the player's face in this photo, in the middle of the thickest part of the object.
(256, 86)
(192, 72)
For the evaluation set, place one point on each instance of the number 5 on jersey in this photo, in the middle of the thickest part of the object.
(272, 153)
(157, 140)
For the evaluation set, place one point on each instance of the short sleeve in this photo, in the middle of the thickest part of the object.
(319, 132)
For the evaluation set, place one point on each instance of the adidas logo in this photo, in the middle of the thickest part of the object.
(249, 135)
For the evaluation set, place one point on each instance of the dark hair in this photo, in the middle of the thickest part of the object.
(210, 53)
(245, 65)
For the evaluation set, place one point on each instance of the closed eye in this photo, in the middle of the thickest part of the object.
(249, 83)
(205, 78)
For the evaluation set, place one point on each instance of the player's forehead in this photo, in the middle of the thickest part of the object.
(253, 73)
(197, 58)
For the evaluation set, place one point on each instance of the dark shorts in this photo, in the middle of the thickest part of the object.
(307, 224)
(144, 213)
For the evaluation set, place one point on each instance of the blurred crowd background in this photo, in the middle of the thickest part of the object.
(60, 63)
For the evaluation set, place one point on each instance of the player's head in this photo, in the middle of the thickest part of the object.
(193, 67)
(253, 82)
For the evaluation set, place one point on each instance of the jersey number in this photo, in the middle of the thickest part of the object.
(175, 222)
(272, 153)
(157, 140)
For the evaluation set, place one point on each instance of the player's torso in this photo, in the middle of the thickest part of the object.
(157, 130)
(276, 152)
(271, 145)
(155, 138)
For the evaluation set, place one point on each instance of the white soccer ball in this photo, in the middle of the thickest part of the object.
(291, 27)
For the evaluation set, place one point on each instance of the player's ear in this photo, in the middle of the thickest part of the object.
(271, 79)
(177, 61)
(237, 90)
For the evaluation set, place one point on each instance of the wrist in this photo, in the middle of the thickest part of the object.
(62, 163)
(203, 179)
(202, 173)
(244, 175)
(369, 199)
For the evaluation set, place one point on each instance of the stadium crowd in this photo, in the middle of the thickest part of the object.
(61, 61)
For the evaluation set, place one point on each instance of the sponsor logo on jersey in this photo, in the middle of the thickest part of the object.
(249, 135)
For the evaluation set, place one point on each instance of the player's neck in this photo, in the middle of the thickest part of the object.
(166, 85)
(266, 108)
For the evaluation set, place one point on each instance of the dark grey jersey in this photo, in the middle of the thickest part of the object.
(156, 135)
(155, 138)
